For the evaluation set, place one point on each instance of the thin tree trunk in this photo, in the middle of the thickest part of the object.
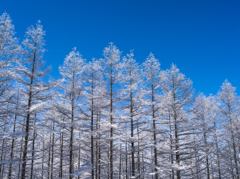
(99, 149)
(61, 153)
(92, 147)
(154, 132)
(132, 135)
(20, 157)
(234, 149)
(12, 147)
(218, 158)
(111, 121)
(96, 159)
(79, 154)
(126, 167)
(206, 152)
(1, 166)
(120, 162)
(143, 166)
(170, 133)
(33, 145)
(231, 164)
(176, 130)
(138, 153)
(52, 152)
(28, 117)
(49, 156)
(2, 151)
(71, 167)
(43, 157)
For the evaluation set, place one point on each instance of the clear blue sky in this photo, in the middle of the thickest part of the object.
(201, 37)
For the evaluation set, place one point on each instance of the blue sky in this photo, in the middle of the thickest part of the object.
(201, 37)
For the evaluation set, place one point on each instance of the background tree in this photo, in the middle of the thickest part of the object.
(71, 84)
(153, 80)
(112, 69)
(229, 109)
(179, 93)
(133, 106)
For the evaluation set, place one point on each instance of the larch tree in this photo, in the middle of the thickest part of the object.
(31, 76)
(229, 109)
(112, 72)
(71, 85)
(93, 91)
(204, 125)
(152, 81)
(9, 52)
(133, 105)
(179, 93)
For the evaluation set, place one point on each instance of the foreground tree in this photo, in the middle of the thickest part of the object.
(31, 76)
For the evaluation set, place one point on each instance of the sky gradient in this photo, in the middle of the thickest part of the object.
(201, 37)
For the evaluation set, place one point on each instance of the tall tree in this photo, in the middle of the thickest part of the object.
(203, 122)
(153, 80)
(9, 51)
(93, 94)
(71, 84)
(229, 108)
(31, 76)
(179, 93)
(112, 69)
(133, 105)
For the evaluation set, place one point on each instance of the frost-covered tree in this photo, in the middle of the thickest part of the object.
(152, 82)
(133, 107)
(31, 75)
(72, 87)
(229, 109)
(9, 51)
(178, 94)
(112, 69)
(203, 125)
(93, 93)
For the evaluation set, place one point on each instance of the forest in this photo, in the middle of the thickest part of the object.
(109, 118)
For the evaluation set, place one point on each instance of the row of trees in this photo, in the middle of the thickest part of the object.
(109, 118)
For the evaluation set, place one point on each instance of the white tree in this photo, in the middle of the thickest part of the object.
(9, 51)
(93, 93)
(133, 106)
(31, 76)
(229, 109)
(153, 78)
(178, 94)
(112, 69)
(203, 127)
(72, 86)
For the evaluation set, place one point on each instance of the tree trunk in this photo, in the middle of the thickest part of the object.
(28, 117)
(33, 145)
(12, 146)
(52, 152)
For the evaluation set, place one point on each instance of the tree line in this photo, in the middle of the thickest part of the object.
(109, 118)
